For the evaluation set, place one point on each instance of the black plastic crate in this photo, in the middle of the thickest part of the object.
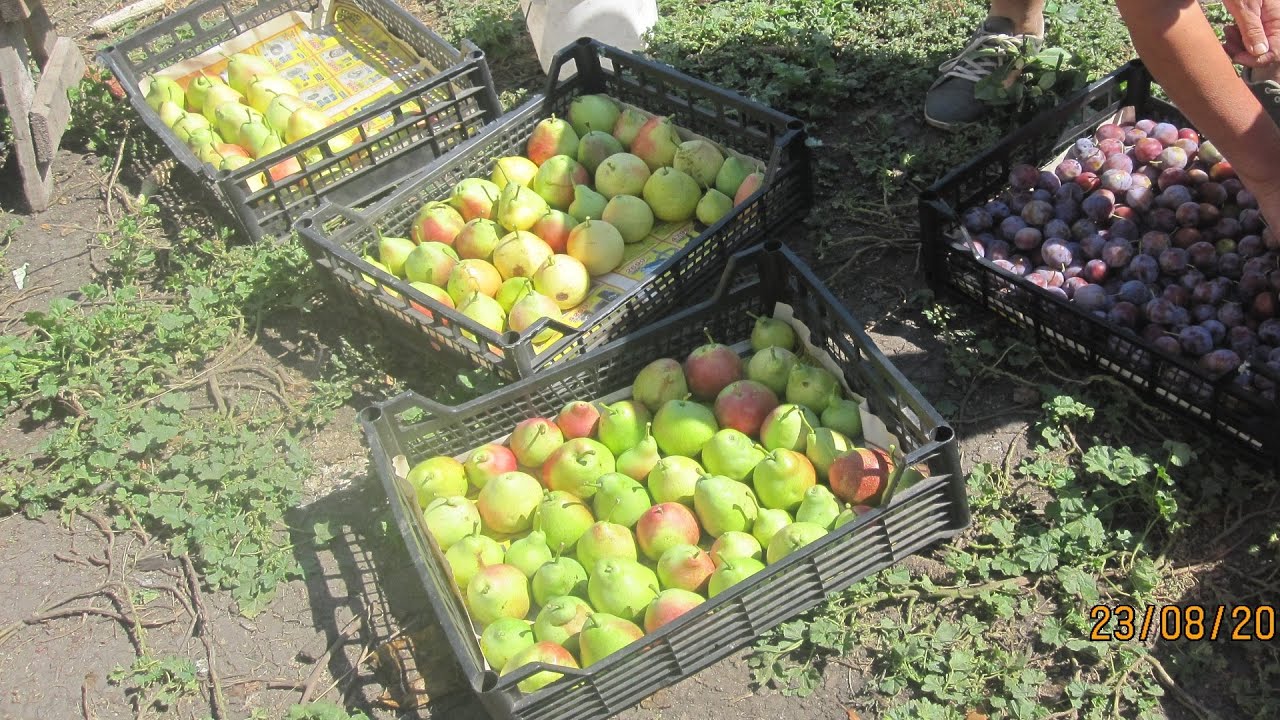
(335, 237)
(445, 110)
(756, 280)
(1170, 381)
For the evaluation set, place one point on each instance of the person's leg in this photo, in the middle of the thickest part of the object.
(950, 102)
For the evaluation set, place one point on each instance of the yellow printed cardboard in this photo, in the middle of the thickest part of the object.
(340, 67)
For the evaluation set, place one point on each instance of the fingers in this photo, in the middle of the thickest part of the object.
(1253, 35)
(1233, 45)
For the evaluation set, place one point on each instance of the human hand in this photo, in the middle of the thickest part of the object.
(1255, 38)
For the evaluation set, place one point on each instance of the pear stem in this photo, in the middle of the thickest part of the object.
(710, 339)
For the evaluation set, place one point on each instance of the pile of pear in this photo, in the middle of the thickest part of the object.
(251, 114)
(527, 242)
(580, 533)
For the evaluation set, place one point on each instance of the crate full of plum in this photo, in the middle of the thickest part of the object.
(1119, 233)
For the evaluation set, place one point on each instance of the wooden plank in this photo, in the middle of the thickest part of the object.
(41, 34)
(18, 90)
(51, 110)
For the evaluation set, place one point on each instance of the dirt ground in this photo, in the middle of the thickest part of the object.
(359, 590)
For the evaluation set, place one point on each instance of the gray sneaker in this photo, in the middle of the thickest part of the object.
(950, 101)
(1267, 91)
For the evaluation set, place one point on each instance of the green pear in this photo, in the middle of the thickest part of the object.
(701, 160)
(605, 634)
(732, 454)
(819, 507)
(731, 174)
(639, 460)
(622, 174)
(843, 416)
(768, 522)
(502, 639)
(431, 263)
(303, 123)
(620, 499)
(659, 381)
(546, 653)
(595, 147)
(513, 169)
(439, 476)
(672, 195)
(713, 206)
(471, 553)
(529, 553)
(622, 425)
(198, 89)
(787, 426)
(511, 290)
(562, 576)
(735, 544)
(792, 538)
(823, 446)
(560, 620)
(771, 367)
(229, 118)
(484, 310)
(628, 125)
(674, 478)
(630, 215)
(605, 540)
(280, 109)
(682, 427)
(266, 88)
(519, 208)
(392, 253)
(243, 68)
(162, 90)
(724, 505)
(497, 591)
(587, 203)
(451, 519)
(772, 332)
(731, 572)
(562, 517)
(170, 113)
(588, 113)
(622, 587)
(782, 478)
(217, 97)
(811, 386)
(188, 124)
(256, 137)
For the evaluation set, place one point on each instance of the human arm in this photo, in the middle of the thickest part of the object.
(1176, 42)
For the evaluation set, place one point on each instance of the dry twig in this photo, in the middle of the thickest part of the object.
(197, 602)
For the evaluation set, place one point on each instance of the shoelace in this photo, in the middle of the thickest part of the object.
(980, 57)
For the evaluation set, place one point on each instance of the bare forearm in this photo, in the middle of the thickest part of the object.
(1176, 42)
